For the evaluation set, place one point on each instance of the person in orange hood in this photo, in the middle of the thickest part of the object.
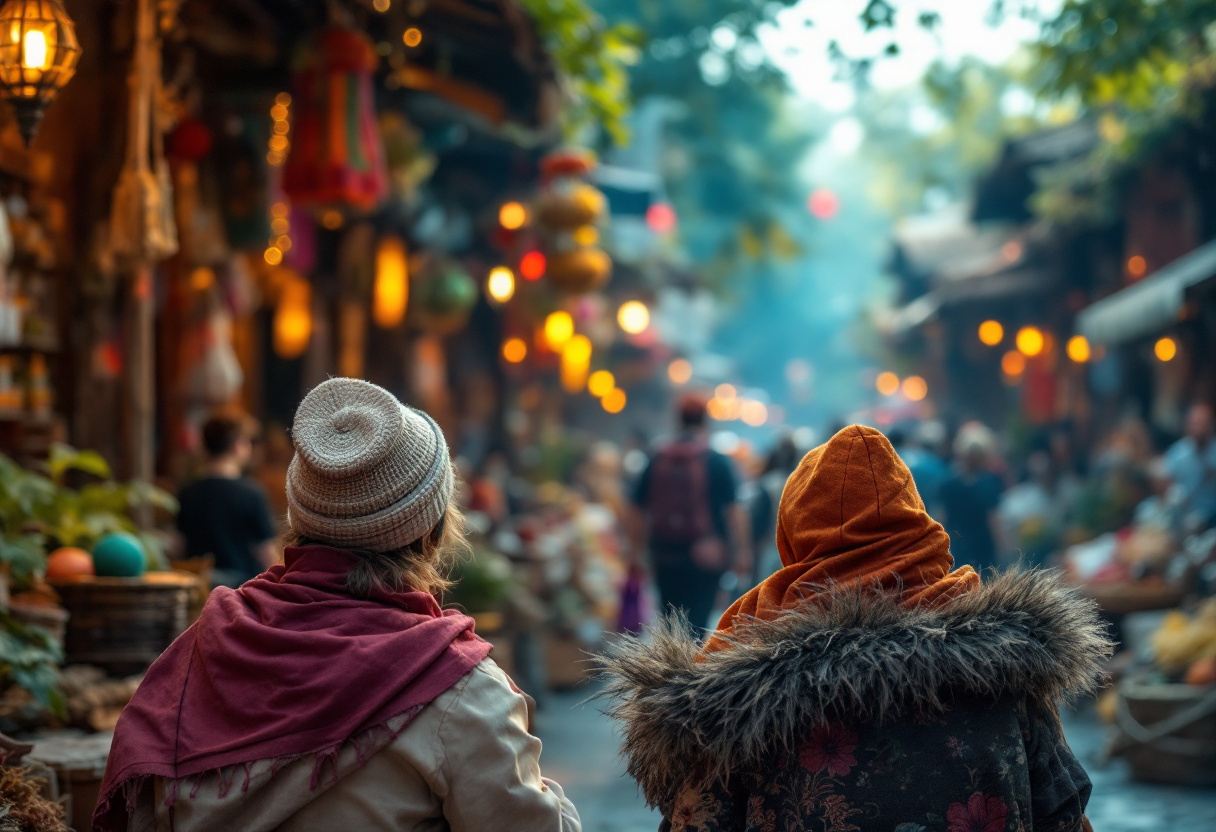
(866, 661)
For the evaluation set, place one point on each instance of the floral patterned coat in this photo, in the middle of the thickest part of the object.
(860, 715)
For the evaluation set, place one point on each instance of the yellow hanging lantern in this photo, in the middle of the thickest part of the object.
(391, 291)
(580, 270)
(576, 361)
(293, 319)
(38, 56)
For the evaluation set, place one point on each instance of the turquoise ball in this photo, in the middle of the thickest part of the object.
(119, 555)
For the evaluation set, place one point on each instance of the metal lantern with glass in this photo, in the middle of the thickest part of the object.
(38, 56)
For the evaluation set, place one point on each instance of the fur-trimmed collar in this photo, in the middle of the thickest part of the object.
(859, 655)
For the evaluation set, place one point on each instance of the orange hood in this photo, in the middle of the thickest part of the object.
(850, 513)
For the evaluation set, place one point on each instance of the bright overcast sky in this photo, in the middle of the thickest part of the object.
(802, 51)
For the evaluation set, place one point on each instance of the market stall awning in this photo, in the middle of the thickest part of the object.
(1147, 307)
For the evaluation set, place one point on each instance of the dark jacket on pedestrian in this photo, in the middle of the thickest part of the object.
(850, 708)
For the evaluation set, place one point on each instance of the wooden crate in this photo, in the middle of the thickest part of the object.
(1169, 732)
(122, 624)
(79, 763)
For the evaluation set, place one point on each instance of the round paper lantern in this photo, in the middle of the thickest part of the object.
(67, 563)
(119, 555)
(580, 270)
(570, 204)
(447, 299)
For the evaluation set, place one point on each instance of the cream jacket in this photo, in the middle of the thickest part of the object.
(466, 763)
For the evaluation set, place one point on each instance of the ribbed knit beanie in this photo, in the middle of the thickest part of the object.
(368, 472)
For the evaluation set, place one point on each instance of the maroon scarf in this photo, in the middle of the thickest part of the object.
(286, 666)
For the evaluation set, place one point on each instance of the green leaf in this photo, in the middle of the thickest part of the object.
(64, 458)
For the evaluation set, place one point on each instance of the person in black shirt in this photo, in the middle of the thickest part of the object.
(223, 514)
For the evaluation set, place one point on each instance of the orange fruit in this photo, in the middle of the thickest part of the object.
(68, 562)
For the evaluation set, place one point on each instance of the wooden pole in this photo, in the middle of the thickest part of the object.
(141, 375)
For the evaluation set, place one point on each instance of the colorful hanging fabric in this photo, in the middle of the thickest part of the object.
(337, 155)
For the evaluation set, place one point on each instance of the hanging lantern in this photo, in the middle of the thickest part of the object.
(38, 56)
(580, 270)
(447, 299)
(576, 361)
(293, 318)
(568, 210)
(392, 288)
(336, 157)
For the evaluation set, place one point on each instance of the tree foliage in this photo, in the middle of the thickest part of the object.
(594, 59)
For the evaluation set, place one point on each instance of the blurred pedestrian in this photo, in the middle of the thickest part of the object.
(865, 685)
(690, 520)
(929, 470)
(1191, 464)
(332, 692)
(781, 462)
(224, 515)
(970, 497)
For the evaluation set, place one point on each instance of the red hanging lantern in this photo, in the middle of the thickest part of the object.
(190, 140)
(337, 155)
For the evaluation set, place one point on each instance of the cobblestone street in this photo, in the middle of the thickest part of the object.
(581, 754)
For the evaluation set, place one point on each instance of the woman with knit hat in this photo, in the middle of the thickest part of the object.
(865, 685)
(332, 692)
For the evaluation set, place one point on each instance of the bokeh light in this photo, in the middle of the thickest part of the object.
(661, 218)
(633, 317)
(1137, 266)
(532, 265)
(991, 333)
(601, 383)
(753, 413)
(1030, 341)
(887, 383)
(1165, 349)
(500, 285)
(914, 388)
(823, 204)
(1013, 364)
(680, 371)
(412, 37)
(559, 328)
(515, 350)
(615, 401)
(512, 216)
(1078, 348)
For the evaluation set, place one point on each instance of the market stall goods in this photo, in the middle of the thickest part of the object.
(123, 624)
(69, 562)
(119, 555)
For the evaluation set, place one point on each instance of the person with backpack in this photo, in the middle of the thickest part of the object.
(690, 519)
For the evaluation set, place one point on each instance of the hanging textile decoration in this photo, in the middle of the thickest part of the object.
(38, 56)
(141, 216)
(569, 211)
(337, 157)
